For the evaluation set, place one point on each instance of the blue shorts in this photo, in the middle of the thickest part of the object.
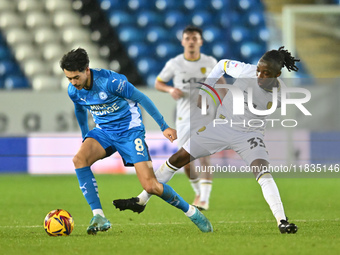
(131, 146)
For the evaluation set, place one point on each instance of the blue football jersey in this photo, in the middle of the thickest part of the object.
(108, 100)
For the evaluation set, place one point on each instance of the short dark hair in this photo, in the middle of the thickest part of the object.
(191, 28)
(283, 58)
(75, 60)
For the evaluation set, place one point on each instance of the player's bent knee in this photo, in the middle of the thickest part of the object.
(79, 161)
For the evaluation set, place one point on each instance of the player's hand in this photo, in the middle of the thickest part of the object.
(170, 134)
(176, 93)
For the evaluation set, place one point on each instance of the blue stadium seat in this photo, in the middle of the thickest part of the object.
(147, 65)
(167, 5)
(130, 34)
(250, 50)
(150, 79)
(16, 82)
(138, 5)
(247, 5)
(255, 19)
(176, 18)
(221, 50)
(120, 18)
(157, 34)
(217, 5)
(112, 5)
(149, 18)
(168, 50)
(199, 18)
(8, 67)
(239, 34)
(138, 49)
(2, 83)
(262, 35)
(212, 34)
(196, 5)
(4, 52)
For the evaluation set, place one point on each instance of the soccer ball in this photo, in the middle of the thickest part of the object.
(58, 223)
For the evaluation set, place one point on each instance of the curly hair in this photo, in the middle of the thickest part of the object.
(283, 57)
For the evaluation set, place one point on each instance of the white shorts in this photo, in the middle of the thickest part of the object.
(188, 127)
(249, 145)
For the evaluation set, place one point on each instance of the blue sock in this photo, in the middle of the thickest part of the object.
(88, 186)
(170, 196)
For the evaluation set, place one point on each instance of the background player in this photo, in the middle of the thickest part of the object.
(246, 140)
(186, 70)
(112, 101)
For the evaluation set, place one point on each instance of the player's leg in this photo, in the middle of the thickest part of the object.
(271, 195)
(163, 174)
(194, 181)
(205, 184)
(150, 184)
(91, 151)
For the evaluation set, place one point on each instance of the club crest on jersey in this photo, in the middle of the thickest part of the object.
(203, 70)
(102, 95)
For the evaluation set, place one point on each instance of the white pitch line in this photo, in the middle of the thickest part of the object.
(181, 223)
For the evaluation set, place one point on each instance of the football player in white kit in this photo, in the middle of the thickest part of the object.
(186, 70)
(243, 138)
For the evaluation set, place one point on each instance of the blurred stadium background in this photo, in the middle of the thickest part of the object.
(38, 130)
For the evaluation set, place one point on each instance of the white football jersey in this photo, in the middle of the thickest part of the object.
(186, 75)
(261, 99)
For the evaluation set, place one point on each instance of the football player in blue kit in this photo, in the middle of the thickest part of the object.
(113, 103)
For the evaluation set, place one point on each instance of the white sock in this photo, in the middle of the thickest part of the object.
(195, 184)
(163, 174)
(191, 211)
(272, 196)
(98, 211)
(205, 190)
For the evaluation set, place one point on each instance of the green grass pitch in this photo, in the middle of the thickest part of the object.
(243, 223)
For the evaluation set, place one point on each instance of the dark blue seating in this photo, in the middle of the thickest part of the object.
(16, 82)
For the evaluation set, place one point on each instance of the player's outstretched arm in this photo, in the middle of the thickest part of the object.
(170, 134)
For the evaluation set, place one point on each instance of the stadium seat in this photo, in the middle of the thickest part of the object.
(36, 19)
(24, 51)
(147, 65)
(246, 5)
(2, 83)
(221, 50)
(112, 5)
(168, 5)
(121, 18)
(138, 5)
(90, 47)
(10, 20)
(130, 34)
(191, 5)
(212, 34)
(44, 35)
(7, 6)
(167, 50)
(45, 82)
(250, 50)
(255, 19)
(218, 5)
(8, 67)
(150, 80)
(29, 5)
(64, 19)
(262, 35)
(199, 18)
(34, 66)
(73, 35)
(148, 18)
(16, 82)
(4, 52)
(52, 51)
(157, 34)
(176, 18)
(58, 5)
(138, 49)
(239, 34)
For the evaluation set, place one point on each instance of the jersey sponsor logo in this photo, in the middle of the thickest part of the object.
(193, 80)
(121, 86)
(103, 109)
(203, 70)
(102, 95)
